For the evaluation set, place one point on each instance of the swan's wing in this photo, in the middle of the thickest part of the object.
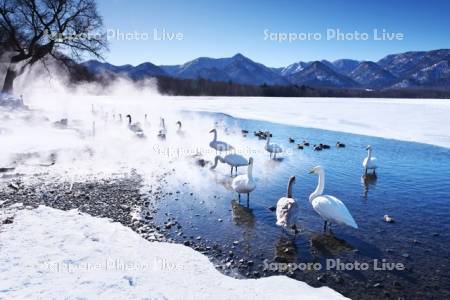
(242, 184)
(222, 146)
(372, 163)
(239, 181)
(274, 148)
(365, 162)
(135, 127)
(332, 209)
(284, 210)
(236, 160)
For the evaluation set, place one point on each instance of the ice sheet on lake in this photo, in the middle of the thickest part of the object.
(416, 120)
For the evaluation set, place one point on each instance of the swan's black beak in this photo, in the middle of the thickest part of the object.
(311, 171)
(212, 130)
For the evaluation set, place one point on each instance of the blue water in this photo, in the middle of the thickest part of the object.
(413, 186)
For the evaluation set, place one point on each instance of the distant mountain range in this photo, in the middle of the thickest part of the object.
(419, 69)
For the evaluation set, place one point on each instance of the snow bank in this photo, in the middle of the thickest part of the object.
(47, 253)
(416, 120)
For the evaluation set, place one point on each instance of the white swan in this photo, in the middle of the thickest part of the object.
(287, 208)
(180, 131)
(162, 129)
(219, 145)
(244, 184)
(93, 128)
(330, 208)
(135, 127)
(147, 122)
(272, 148)
(369, 163)
(233, 160)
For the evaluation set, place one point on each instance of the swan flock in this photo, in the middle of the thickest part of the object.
(328, 207)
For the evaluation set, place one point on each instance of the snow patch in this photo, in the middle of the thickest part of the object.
(48, 253)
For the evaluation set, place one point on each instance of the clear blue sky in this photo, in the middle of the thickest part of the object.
(222, 28)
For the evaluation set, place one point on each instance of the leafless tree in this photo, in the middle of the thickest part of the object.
(34, 30)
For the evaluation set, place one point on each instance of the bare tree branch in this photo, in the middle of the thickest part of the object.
(34, 29)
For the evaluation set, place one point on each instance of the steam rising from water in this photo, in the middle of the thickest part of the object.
(94, 142)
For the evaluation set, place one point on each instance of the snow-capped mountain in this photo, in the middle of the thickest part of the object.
(342, 66)
(238, 69)
(139, 72)
(319, 74)
(345, 66)
(371, 75)
(405, 64)
(419, 69)
(194, 68)
(145, 70)
(427, 69)
(434, 76)
(401, 64)
(294, 68)
(101, 67)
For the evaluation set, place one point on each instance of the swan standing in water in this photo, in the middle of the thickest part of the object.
(330, 208)
(234, 160)
(93, 128)
(162, 129)
(180, 131)
(272, 148)
(219, 145)
(370, 163)
(287, 208)
(244, 184)
(135, 127)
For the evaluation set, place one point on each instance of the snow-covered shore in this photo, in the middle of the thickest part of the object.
(48, 253)
(416, 120)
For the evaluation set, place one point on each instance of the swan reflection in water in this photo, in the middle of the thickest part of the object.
(327, 245)
(368, 180)
(242, 215)
(286, 250)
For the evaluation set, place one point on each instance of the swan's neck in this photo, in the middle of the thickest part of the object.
(250, 172)
(369, 153)
(129, 120)
(268, 141)
(320, 186)
(163, 125)
(216, 161)
(179, 126)
(289, 188)
(215, 136)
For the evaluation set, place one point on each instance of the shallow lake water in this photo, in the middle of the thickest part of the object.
(412, 186)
